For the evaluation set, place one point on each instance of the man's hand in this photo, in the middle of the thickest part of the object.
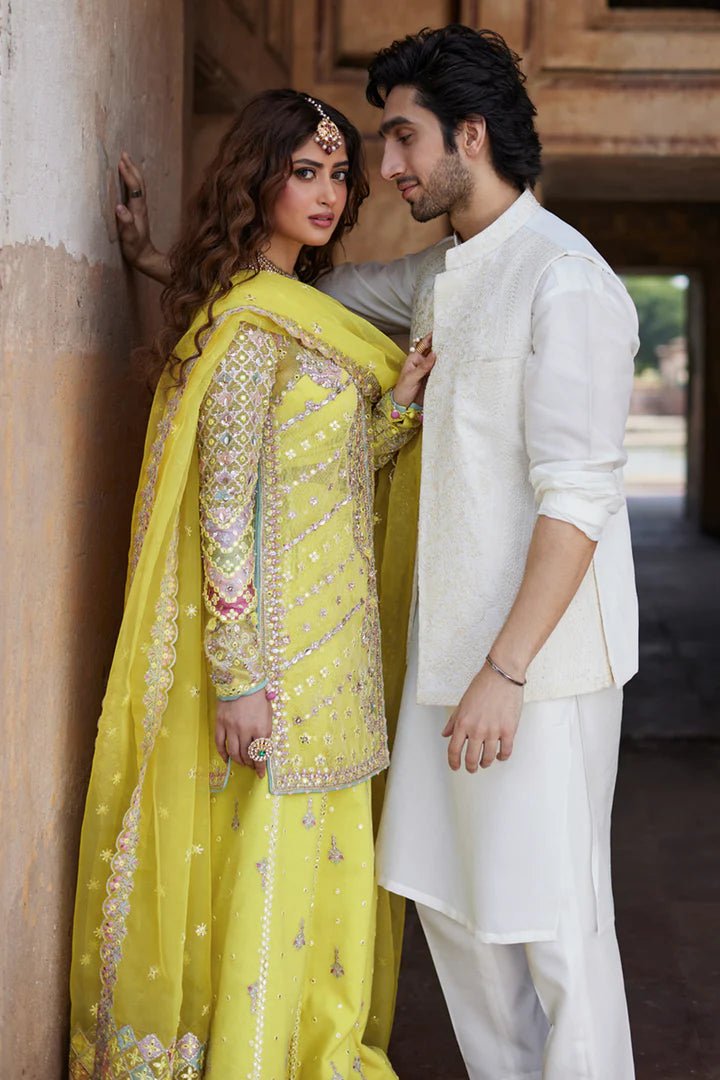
(484, 722)
(410, 387)
(489, 711)
(238, 723)
(134, 225)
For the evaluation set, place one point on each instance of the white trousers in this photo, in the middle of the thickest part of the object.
(540, 1010)
(510, 871)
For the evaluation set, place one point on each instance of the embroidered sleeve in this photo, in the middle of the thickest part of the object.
(392, 426)
(229, 438)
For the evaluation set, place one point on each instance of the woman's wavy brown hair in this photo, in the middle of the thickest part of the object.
(230, 218)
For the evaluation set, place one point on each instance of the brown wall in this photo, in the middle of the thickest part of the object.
(72, 423)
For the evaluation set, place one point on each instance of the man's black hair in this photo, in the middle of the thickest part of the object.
(460, 73)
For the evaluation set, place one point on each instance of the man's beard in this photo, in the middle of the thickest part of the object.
(448, 188)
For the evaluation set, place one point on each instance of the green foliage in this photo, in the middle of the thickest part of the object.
(662, 311)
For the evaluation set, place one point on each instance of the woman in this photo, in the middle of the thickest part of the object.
(225, 920)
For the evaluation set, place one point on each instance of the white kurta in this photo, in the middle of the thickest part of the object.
(525, 416)
(496, 851)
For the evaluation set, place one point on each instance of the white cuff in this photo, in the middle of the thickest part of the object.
(590, 515)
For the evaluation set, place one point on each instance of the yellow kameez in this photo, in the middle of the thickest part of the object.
(230, 933)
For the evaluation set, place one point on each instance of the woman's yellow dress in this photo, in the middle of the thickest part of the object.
(225, 926)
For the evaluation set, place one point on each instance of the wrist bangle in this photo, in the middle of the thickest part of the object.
(499, 671)
(398, 411)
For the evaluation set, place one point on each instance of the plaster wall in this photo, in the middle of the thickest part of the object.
(79, 83)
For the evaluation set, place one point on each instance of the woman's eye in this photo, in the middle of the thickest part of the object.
(341, 175)
(305, 174)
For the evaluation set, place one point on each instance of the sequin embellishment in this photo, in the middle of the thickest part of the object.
(262, 869)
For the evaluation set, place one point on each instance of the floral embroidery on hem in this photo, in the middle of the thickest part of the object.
(335, 855)
(116, 907)
(337, 969)
(309, 820)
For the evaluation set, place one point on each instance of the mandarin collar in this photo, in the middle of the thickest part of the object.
(494, 235)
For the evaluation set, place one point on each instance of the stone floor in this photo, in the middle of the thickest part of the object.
(666, 829)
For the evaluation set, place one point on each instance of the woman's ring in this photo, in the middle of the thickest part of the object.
(260, 749)
(137, 194)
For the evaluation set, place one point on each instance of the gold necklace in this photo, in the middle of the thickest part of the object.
(265, 264)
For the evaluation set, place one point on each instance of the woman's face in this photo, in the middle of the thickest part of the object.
(309, 207)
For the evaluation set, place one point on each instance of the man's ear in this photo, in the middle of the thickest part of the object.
(472, 136)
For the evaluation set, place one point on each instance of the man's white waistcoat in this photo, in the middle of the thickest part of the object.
(486, 468)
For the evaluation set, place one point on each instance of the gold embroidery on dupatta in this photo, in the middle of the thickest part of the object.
(116, 907)
(147, 492)
(129, 1057)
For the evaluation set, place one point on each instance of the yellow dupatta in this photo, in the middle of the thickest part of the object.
(137, 878)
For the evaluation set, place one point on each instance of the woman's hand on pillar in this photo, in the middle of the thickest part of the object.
(134, 225)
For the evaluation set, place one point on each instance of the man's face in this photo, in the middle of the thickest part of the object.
(431, 179)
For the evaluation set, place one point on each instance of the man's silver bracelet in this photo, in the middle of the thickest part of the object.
(504, 674)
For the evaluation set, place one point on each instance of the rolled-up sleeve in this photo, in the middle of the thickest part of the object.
(577, 392)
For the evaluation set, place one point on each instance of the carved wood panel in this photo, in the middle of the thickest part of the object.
(611, 84)
(334, 41)
(357, 31)
(241, 47)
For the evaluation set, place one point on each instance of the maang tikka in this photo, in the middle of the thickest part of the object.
(327, 134)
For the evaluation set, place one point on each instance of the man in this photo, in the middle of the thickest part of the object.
(525, 625)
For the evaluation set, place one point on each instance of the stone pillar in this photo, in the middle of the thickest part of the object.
(79, 82)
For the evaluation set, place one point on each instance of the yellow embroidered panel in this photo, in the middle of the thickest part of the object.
(287, 442)
(320, 603)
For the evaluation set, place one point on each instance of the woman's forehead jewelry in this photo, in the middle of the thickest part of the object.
(327, 134)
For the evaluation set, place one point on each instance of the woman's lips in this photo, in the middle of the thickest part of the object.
(323, 221)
